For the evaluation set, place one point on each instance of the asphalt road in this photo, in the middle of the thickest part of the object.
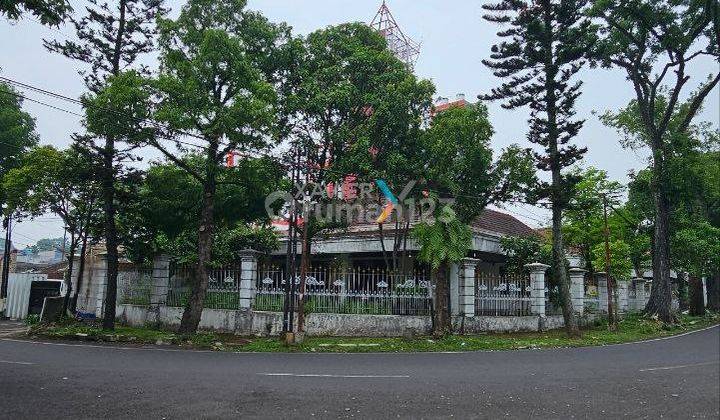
(674, 378)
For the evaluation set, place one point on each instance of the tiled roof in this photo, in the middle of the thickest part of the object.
(502, 223)
(491, 221)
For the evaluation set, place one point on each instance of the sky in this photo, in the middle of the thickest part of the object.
(454, 40)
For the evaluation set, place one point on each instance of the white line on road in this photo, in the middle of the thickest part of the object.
(677, 367)
(16, 363)
(318, 375)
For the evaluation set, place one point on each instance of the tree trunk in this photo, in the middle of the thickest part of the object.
(68, 273)
(442, 324)
(558, 251)
(81, 271)
(560, 272)
(696, 298)
(660, 302)
(193, 310)
(713, 292)
(111, 240)
(304, 264)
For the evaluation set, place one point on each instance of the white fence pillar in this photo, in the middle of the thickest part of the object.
(602, 292)
(622, 296)
(466, 290)
(94, 301)
(638, 303)
(577, 289)
(455, 289)
(248, 278)
(537, 287)
(160, 281)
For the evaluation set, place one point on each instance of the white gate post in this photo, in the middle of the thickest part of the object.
(248, 278)
(466, 290)
(160, 281)
(602, 292)
(577, 289)
(622, 296)
(537, 287)
(99, 284)
(637, 304)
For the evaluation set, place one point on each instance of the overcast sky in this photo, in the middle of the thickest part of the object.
(454, 41)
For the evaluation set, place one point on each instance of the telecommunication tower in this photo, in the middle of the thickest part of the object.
(404, 48)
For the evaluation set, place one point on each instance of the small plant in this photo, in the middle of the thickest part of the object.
(32, 319)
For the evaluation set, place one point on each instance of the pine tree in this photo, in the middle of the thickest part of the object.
(541, 54)
(111, 38)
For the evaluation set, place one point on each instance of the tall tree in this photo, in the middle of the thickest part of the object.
(59, 182)
(656, 42)
(49, 12)
(111, 38)
(17, 132)
(543, 50)
(215, 83)
(359, 111)
(582, 221)
(459, 166)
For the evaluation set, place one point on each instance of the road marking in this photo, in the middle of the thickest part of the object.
(16, 363)
(318, 375)
(678, 366)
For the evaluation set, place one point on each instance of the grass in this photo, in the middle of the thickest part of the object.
(632, 328)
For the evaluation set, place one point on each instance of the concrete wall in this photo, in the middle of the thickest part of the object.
(270, 323)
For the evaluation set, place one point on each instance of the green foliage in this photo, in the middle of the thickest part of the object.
(111, 37)
(458, 162)
(48, 12)
(442, 241)
(523, 250)
(169, 200)
(698, 249)
(583, 224)
(17, 132)
(620, 263)
(542, 51)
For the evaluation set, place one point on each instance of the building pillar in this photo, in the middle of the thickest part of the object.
(602, 292)
(248, 278)
(704, 291)
(454, 289)
(648, 290)
(466, 289)
(638, 303)
(622, 296)
(160, 280)
(577, 289)
(537, 287)
(98, 286)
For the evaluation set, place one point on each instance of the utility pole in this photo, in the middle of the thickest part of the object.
(7, 224)
(290, 262)
(612, 319)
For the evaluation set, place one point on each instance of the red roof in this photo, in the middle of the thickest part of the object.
(502, 223)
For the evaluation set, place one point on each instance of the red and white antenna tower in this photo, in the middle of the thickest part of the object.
(401, 45)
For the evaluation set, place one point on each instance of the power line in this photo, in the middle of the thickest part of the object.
(193, 135)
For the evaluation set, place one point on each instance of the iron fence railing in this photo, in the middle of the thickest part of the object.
(348, 291)
(506, 295)
(134, 286)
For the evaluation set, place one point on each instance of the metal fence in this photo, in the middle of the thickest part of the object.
(497, 295)
(348, 291)
(135, 286)
(223, 290)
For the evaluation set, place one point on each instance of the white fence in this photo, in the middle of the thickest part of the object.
(348, 291)
(507, 295)
(18, 299)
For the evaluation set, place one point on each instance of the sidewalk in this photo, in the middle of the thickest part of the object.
(9, 328)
